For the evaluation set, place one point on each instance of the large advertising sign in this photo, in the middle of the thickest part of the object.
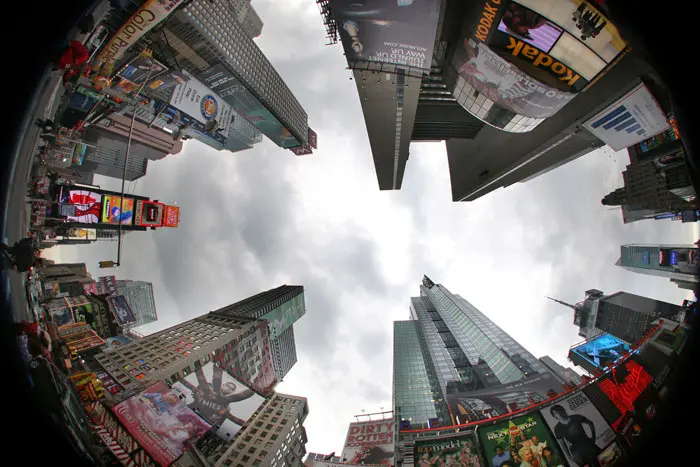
(222, 82)
(219, 398)
(370, 442)
(632, 119)
(148, 213)
(195, 99)
(121, 310)
(580, 430)
(505, 84)
(459, 451)
(472, 406)
(162, 424)
(602, 351)
(663, 138)
(282, 317)
(522, 440)
(137, 69)
(175, 115)
(171, 216)
(387, 31)
(150, 14)
(81, 234)
(82, 206)
(114, 207)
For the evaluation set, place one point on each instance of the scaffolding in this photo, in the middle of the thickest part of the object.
(328, 21)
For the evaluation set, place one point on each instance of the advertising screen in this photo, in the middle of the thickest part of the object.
(522, 23)
(459, 451)
(171, 216)
(175, 115)
(83, 206)
(148, 213)
(198, 101)
(219, 398)
(632, 119)
(282, 317)
(668, 136)
(580, 430)
(169, 80)
(81, 234)
(162, 424)
(386, 31)
(602, 351)
(113, 208)
(370, 442)
(470, 406)
(524, 440)
(137, 69)
(222, 82)
(505, 84)
(121, 310)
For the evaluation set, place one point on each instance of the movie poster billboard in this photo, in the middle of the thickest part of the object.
(235, 93)
(148, 213)
(171, 216)
(162, 424)
(522, 440)
(633, 118)
(460, 450)
(121, 310)
(581, 431)
(601, 351)
(219, 398)
(81, 206)
(386, 31)
(113, 208)
(470, 406)
(370, 442)
(107, 285)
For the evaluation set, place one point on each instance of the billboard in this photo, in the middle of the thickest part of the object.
(121, 310)
(151, 13)
(81, 234)
(580, 430)
(162, 424)
(83, 206)
(632, 119)
(219, 398)
(459, 451)
(313, 139)
(601, 351)
(505, 84)
(198, 101)
(174, 115)
(470, 406)
(148, 213)
(226, 85)
(370, 442)
(523, 440)
(107, 285)
(171, 216)
(137, 69)
(169, 80)
(386, 31)
(282, 317)
(114, 207)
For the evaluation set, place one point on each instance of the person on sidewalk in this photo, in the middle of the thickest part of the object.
(23, 255)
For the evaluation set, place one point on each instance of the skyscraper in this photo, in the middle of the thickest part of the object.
(139, 296)
(564, 375)
(448, 346)
(280, 308)
(624, 315)
(680, 263)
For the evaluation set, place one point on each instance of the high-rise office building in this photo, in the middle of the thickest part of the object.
(680, 263)
(563, 374)
(139, 296)
(624, 315)
(505, 115)
(449, 346)
(280, 307)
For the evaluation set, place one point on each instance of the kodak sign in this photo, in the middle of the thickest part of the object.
(487, 19)
(518, 48)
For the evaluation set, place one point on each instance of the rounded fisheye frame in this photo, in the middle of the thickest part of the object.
(568, 129)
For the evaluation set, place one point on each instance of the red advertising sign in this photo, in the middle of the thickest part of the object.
(171, 216)
(149, 213)
(302, 150)
(313, 139)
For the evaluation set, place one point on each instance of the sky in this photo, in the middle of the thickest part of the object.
(258, 219)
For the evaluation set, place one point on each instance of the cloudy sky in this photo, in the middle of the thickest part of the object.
(254, 220)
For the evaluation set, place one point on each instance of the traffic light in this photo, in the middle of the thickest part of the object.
(108, 264)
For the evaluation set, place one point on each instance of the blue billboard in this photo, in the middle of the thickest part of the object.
(220, 80)
(602, 351)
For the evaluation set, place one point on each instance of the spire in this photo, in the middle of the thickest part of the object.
(563, 303)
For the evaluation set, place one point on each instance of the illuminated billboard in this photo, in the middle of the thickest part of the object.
(81, 234)
(219, 398)
(82, 206)
(114, 208)
(161, 423)
(370, 442)
(387, 31)
(601, 351)
(235, 93)
(458, 450)
(469, 406)
(171, 216)
(524, 440)
(632, 119)
(578, 427)
(148, 213)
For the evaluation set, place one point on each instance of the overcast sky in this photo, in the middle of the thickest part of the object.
(254, 220)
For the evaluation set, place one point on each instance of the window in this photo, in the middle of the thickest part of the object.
(252, 450)
(245, 458)
(247, 438)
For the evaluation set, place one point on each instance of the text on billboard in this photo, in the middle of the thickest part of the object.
(488, 14)
(541, 59)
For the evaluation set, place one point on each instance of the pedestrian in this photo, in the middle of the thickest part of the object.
(23, 255)
(46, 125)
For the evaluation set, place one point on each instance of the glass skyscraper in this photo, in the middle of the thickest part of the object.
(448, 346)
